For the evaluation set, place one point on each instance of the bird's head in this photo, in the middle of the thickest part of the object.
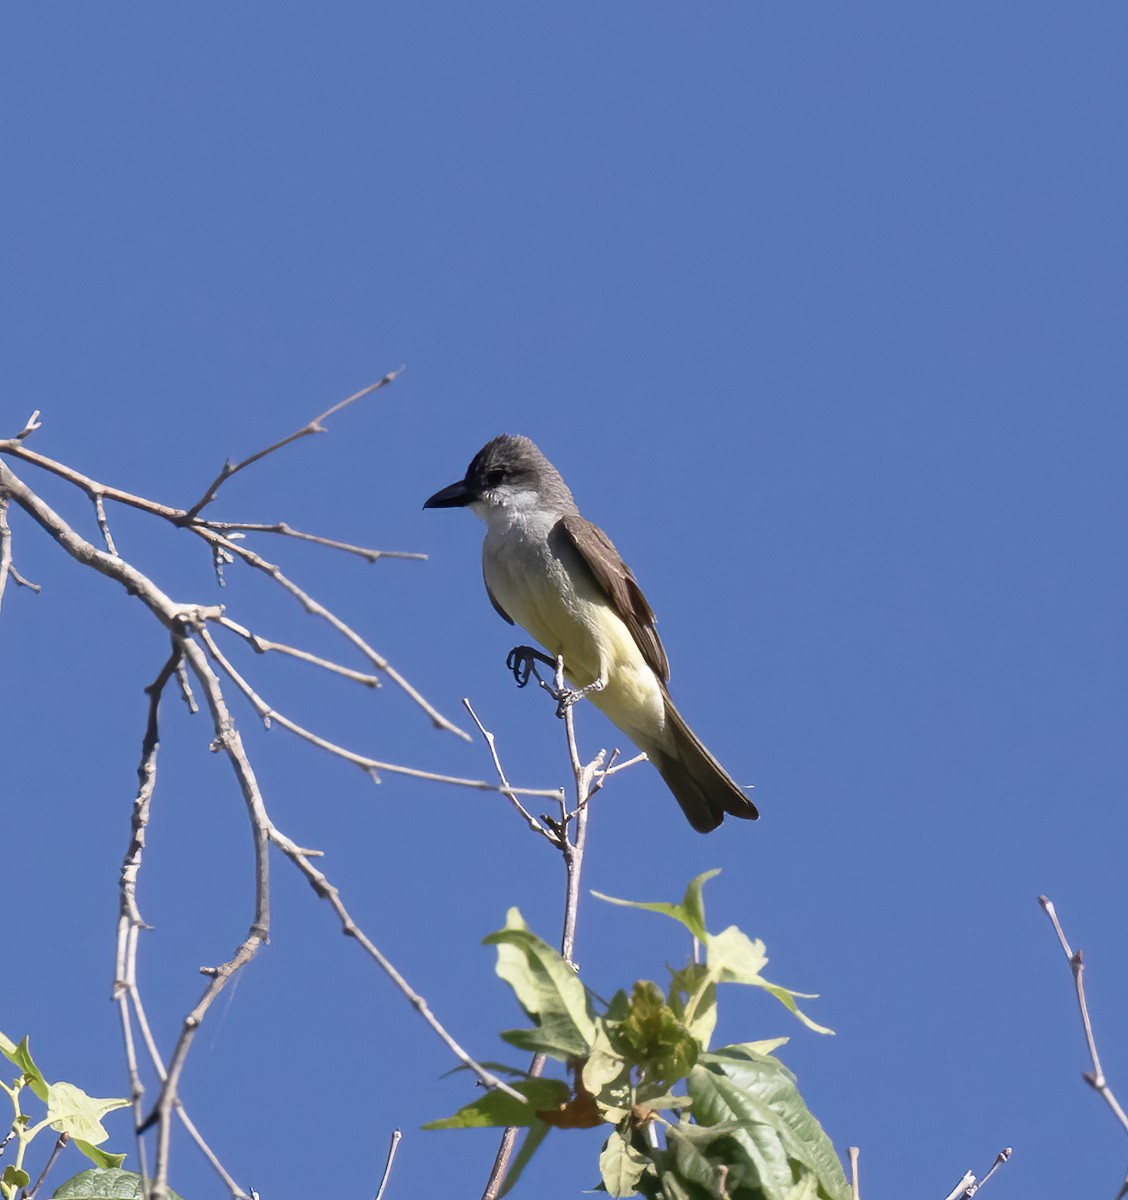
(508, 473)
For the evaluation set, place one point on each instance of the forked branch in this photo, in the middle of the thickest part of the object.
(1096, 1077)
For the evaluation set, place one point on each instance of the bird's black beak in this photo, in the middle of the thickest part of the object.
(458, 495)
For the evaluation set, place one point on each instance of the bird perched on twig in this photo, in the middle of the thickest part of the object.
(560, 577)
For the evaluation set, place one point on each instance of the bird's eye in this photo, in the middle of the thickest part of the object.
(494, 477)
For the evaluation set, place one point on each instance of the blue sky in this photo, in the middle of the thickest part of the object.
(819, 309)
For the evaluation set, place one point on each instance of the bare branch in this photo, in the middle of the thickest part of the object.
(854, 1153)
(5, 545)
(960, 1189)
(507, 791)
(372, 766)
(392, 1148)
(319, 610)
(60, 1142)
(967, 1186)
(331, 894)
(130, 924)
(224, 549)
(613, 768)
(261, 645)
(169, 613)
(103, 524)
(186, 688)
(1096, 1078)
(228, 740)
(129, 915)
(588, 780)
(314, 426)
(91, 487)
(33, 423)
(187, 624)
(280, 527)
(7, 567)
(1002, 1157)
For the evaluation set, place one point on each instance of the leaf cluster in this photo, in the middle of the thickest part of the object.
(69, 1112)
(687, 1122)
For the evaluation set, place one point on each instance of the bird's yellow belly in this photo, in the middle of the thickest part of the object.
(595, 644)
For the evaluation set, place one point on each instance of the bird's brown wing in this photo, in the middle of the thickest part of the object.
(618, 584)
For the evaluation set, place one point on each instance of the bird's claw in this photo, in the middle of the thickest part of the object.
(522, 663)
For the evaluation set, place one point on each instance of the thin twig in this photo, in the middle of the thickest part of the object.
(330, 893)
(33, 423)
(588, 780)
(1095, 1078)
(224, 549)
(7, 567)
(392, 1148)
(90, 486)
(313, 426)
(506, 790)
(280, 527)
(5, 545)
(227, 739)
(129, 914)
(130, 924)
(262, 646)
(1002, 1157)
(103, 524)
(960, 1190)
(968, 1187)
(60, 1142)
(854, 1153)
(317, 609)
(186, 688)
(613, 768)
(186, 622)
(371, 766)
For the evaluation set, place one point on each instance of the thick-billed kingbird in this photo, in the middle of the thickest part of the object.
(559, 577)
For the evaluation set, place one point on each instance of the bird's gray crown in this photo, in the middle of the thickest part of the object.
(514, 461)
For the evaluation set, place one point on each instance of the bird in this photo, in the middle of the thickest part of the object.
(559, 577)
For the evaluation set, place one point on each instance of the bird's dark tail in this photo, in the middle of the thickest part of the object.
(699, 783)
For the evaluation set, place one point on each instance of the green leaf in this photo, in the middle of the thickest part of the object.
(691, 911)
(621, 1166)
(496, 1108)
(14, 1177)
(690, 1144)
(735, 956)
(100, 1158)
(786, 997)
(496, 1067)
(693, 996)
(742, 1050)
(553, 1038)
(663, 1100)
(756, 1155)
(606, 1074)
(71, 1110)
(546, 988)
(779, 1129)
(21, 1056)
(538, 1131)
(105, 1185)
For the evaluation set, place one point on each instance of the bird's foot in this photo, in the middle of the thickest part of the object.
(522, 662)
(566, 699)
